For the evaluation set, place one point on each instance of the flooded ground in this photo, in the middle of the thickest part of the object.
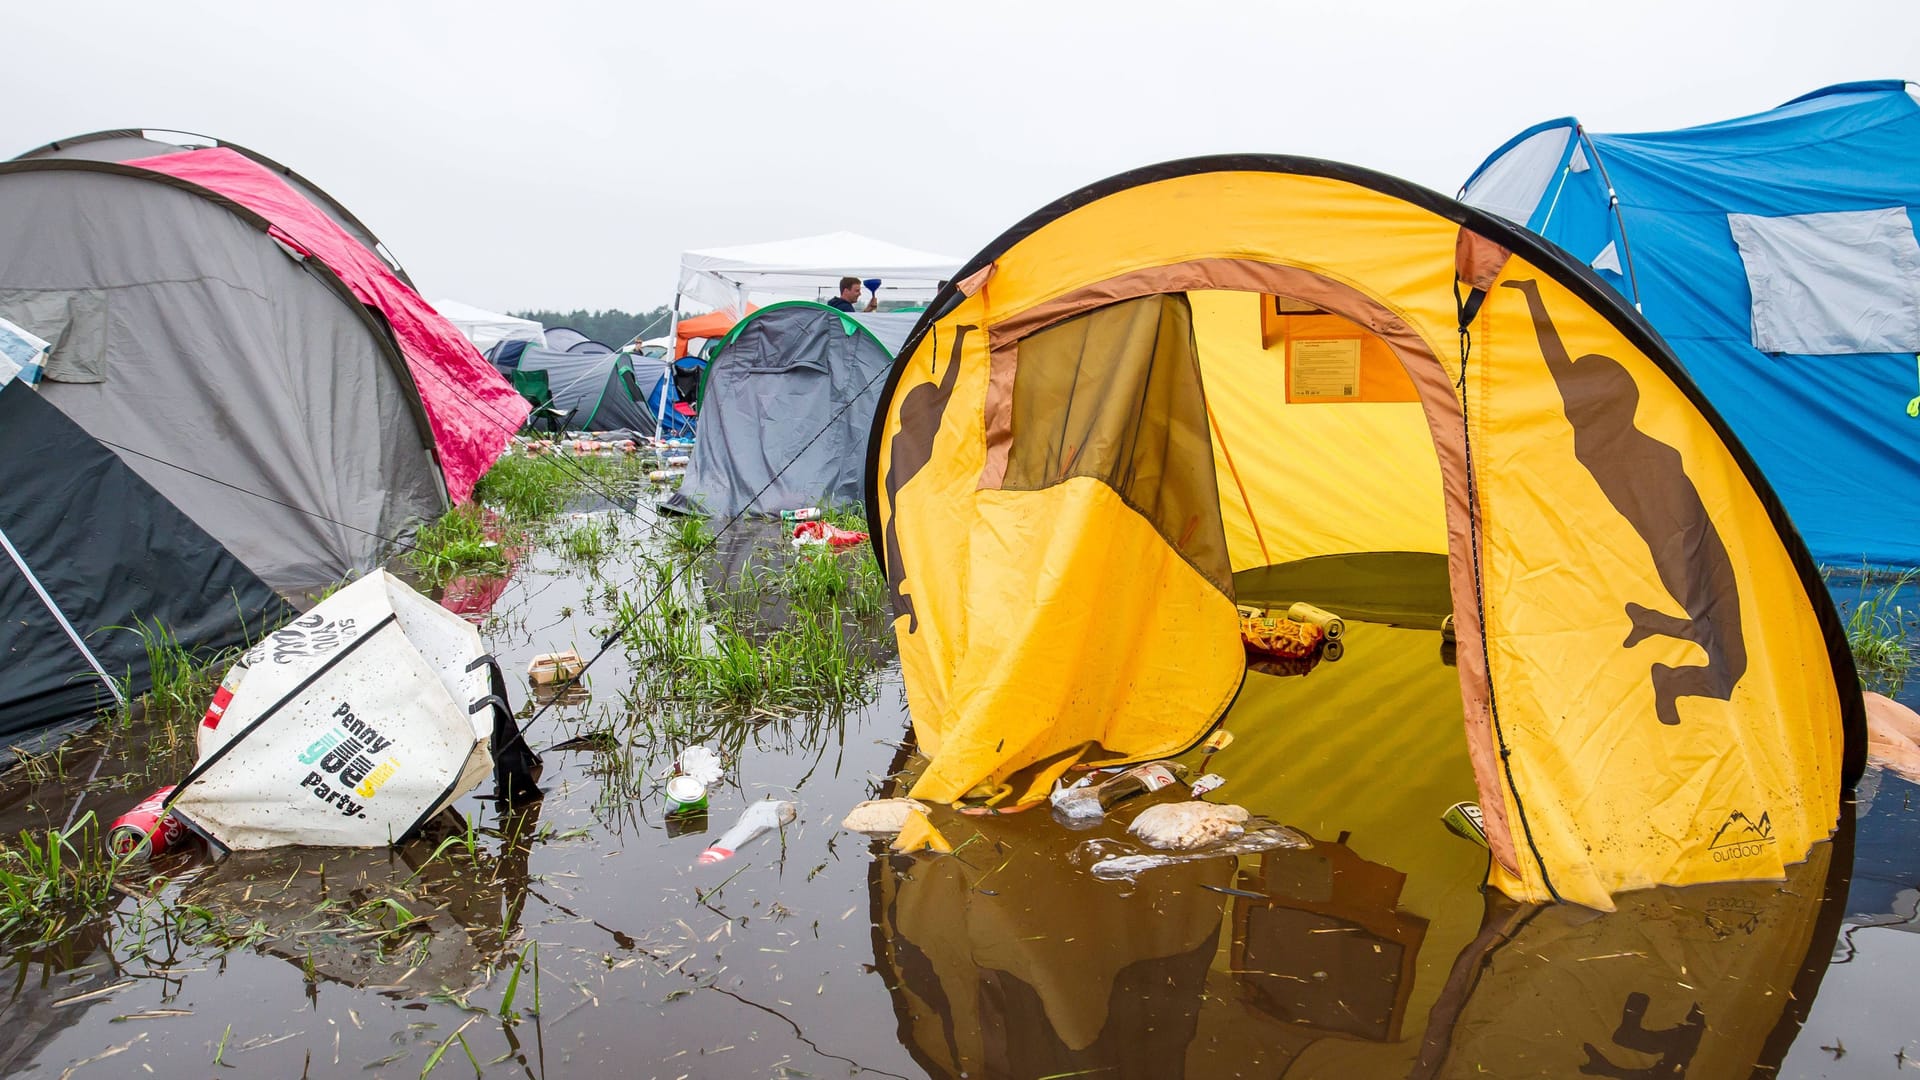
(578, 937)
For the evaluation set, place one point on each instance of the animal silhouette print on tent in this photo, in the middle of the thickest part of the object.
(1646, 481)
(911, 449)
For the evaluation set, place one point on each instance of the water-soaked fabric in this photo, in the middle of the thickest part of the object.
(1115, 395)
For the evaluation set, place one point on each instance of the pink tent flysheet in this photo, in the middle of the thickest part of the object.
(472, 409)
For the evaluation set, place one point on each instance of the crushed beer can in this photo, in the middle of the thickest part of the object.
(805, 513)
(146, 830)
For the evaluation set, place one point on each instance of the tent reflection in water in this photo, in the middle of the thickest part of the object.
(1201, 383)
(1320, 970)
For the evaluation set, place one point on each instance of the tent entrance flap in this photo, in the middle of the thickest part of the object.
(1109, 413)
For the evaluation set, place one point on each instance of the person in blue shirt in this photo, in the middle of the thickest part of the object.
(849, 295)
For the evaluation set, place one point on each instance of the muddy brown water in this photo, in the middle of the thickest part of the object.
(817, 953)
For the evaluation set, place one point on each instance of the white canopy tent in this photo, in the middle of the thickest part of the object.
(808, 269)
(489, 328)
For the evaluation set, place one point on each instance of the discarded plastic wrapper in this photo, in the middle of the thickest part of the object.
(762, 817)
(1087, 799)
(1462, 819)
(819, 532)
(882, 817)
(555, 667)
(702, 764)
(918, 834)
(1126, 866)
(1333, 625)
(1282, 637)
(24, 351)
(1217, 742)
(1205, 784)
(1188, 826)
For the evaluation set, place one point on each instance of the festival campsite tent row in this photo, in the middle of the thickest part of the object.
(239, 343)
(1264, 380)
(1776, 254)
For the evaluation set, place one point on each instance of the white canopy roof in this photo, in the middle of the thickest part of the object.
(488, 328)
(727, 277)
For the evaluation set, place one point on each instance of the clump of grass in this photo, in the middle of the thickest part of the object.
(1878, 629)
(586, 542)
(526, 487)
(689, 535)
(850, 579)
(456, 544)
(179, 682)
(49, 883)
(851, 516)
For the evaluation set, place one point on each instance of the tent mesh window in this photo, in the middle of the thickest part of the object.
(1114, 395)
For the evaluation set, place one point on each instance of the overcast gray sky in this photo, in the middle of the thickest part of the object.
(509, 154)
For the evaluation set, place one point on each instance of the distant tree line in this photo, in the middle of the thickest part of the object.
(611, 326)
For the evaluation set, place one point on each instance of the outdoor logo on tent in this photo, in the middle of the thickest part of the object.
(341, 755)
(1741, 837)
(1646, 481)
(308, 636)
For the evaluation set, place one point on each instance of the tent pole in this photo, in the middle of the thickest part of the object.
(673, 355)
(60, 617)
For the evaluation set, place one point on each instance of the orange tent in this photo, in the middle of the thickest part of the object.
(714, 324)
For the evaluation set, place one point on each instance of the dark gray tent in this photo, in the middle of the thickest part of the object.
(605, 391)
(238, 376)
(90, 553)
(785, 413)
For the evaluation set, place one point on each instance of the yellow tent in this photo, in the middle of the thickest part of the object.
(1226, 379)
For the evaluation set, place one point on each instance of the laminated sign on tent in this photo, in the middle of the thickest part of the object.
(1776, 253)
(1254, 379)
(352, 725)
(784, 412)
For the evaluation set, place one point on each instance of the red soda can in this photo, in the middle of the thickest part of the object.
(145, 831)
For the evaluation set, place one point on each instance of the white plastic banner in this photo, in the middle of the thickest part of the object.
(346, 728)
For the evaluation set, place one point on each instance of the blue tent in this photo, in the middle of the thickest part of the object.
(1776, 253)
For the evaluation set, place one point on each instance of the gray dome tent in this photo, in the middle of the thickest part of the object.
(784, 413)
(129, 144)
(600, 391)
(239, 376)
